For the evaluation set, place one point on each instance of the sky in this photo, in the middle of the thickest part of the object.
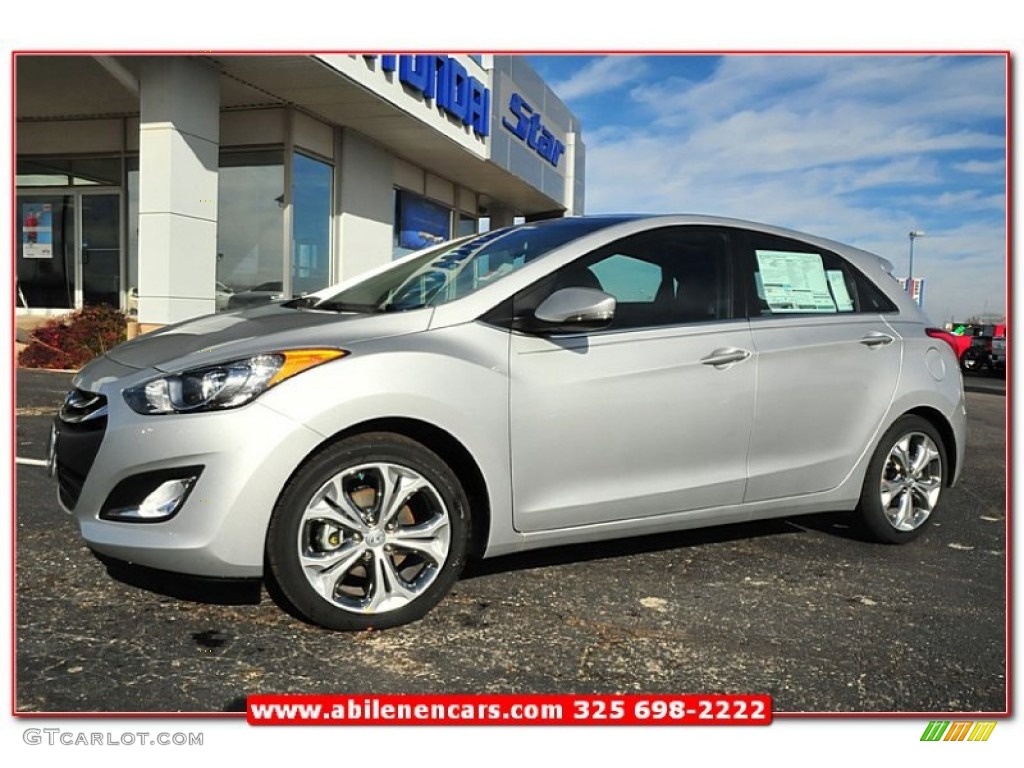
(859, 148)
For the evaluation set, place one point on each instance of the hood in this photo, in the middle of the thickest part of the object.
(217, 338)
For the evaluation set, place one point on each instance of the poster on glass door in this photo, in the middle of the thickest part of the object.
(37, 231)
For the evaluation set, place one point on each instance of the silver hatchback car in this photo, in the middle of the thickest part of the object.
(556, 382)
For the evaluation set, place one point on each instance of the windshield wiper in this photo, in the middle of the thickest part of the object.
(343, 306)
(302, 302)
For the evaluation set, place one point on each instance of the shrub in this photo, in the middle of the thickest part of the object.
(74, 339)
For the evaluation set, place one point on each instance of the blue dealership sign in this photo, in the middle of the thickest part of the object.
(443, 80)
(528, 127)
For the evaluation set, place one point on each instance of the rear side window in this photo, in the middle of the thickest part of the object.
(795, 278)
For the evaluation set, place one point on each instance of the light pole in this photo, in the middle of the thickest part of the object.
(913, 234)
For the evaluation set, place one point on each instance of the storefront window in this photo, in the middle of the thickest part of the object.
(419, 223)
(468, 225)
(69, 239)
(68, 172)
(250, 228)
(311, 224)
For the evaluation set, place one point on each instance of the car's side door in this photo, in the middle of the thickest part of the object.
(649, 416)
(827, 365)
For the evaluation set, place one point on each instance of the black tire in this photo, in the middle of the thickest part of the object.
(972, 361)
(359, 576)
(888, 482)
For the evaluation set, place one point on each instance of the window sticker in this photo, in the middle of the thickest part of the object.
(838, 284)
(794, 282)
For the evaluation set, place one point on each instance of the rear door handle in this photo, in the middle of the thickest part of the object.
(876, 339)
(725, 356)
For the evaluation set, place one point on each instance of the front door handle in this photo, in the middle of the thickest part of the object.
(725, 356)
(876, 339)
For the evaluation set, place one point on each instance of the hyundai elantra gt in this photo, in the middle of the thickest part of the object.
(556, 382)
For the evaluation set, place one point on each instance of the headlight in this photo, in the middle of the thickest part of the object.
(227, 385)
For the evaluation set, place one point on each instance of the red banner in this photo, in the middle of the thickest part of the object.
(509, 709)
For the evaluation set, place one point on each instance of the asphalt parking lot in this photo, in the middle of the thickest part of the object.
(803, 609)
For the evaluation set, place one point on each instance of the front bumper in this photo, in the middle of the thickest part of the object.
(246, 455)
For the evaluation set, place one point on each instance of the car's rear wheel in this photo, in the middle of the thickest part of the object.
(904, 481)
(370, 533)
(972, 361)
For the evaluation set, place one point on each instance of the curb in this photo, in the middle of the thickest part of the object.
(48, 370)
(985, 390)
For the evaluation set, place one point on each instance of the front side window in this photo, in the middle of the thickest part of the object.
(629, 278)
(670, 276)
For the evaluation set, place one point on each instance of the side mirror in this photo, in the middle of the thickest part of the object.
(573, 310)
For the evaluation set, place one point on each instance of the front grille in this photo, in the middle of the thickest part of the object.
(81, 406)
(69, 483)
(80, 427)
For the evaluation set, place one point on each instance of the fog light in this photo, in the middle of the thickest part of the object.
(151, 497)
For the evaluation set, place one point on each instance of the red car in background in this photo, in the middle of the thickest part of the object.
(980, 347)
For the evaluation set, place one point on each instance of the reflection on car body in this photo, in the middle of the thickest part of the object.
(264, 293)
(221, 296)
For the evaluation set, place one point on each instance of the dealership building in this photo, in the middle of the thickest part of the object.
(175, 186)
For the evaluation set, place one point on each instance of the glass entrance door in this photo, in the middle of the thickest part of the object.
(68, 249)
(100, 246)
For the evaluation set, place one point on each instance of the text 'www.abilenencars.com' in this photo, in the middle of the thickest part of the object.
(509, 709)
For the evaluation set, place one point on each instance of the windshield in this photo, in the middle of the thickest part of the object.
(458, 268)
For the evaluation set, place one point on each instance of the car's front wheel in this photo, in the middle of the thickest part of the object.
(370, 533)
(904, 481)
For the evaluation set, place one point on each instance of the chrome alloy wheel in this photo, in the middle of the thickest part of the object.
(911, 481)
(374, 537)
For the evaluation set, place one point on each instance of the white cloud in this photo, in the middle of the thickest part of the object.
(887, 173)
(918, 86)
(993, 167)
(601, 76)
(965, 200)
(859, 149)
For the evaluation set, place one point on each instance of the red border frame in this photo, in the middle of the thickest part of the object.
(538, 52)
